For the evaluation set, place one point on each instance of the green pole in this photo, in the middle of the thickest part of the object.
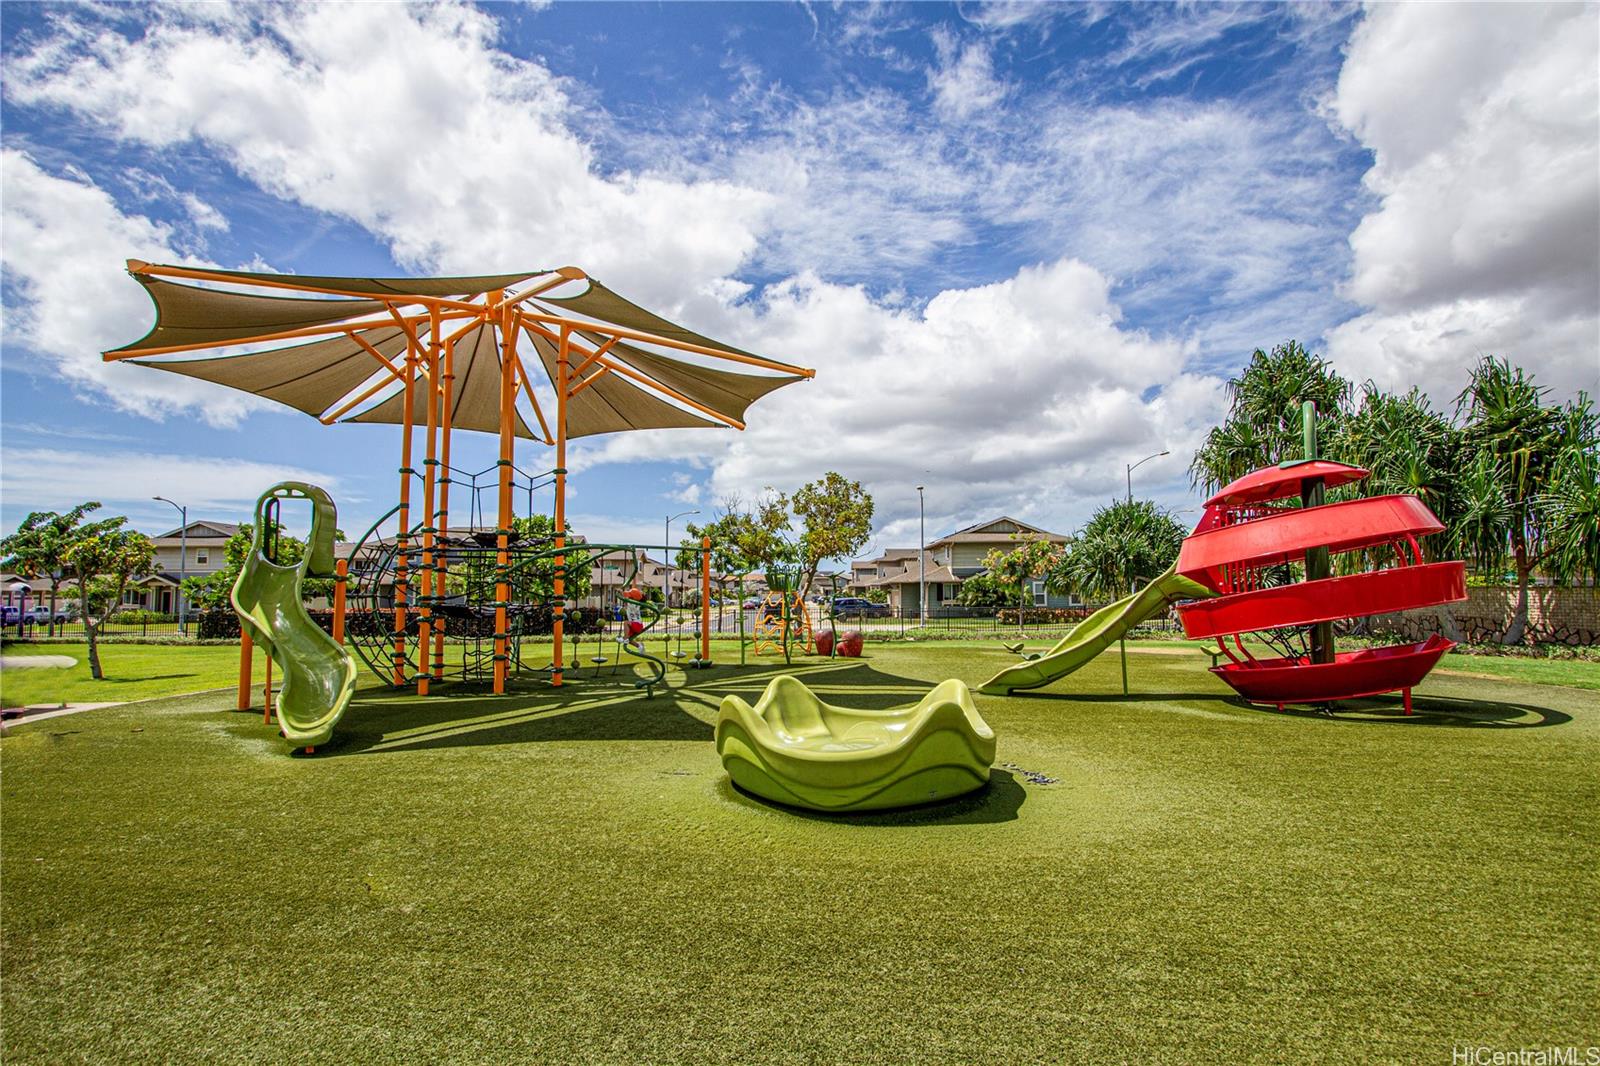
(1122, 646)
(1318, 564)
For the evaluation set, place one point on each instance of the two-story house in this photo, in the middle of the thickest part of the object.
(194, 550)
(948, 562)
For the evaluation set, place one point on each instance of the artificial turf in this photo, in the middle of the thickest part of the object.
(567, 876)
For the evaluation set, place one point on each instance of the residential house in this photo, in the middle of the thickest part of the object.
(949, 561)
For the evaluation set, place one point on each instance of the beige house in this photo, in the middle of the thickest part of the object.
(205, 553)
(949, 561)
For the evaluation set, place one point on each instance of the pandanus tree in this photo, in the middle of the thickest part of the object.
(1124, 544)
(1263, 423)
(1527, 483)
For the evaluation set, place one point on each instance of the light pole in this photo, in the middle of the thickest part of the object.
(922, 562)
(1135, 466)
(666, 572)
(183, 562)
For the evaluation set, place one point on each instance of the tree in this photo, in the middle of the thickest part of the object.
(103, 562)
(1015, 570)
(981, 591)
(1263, 423)
(1122, 545)
(1522, 449)
(1409, 448)
(836, 522)
(38, 549)
(213, 591)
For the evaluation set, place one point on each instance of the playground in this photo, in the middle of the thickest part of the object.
(467, 817)
(1173, 874)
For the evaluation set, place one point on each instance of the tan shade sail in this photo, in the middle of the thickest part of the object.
(476, 395)
(725, 393)
(468, 285)
(613, 404)
(600, 303)
(308, 377)
(651, 390)
(189, 314)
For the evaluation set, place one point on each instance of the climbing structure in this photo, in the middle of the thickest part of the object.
(437, 355)
(1260, 529)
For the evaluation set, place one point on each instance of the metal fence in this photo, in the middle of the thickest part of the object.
(112, 627)
(941, 623)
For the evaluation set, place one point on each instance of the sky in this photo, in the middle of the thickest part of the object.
(1023, 245)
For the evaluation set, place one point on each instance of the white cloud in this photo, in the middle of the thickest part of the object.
(125, 481)
(1024, 396)
(964, 82)
(65, 241)
(469, 140)
(1484, 123)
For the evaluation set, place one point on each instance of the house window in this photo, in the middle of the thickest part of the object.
(1039, 598)
(201, 557)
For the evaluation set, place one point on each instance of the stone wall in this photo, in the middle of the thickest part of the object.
(1555, 616)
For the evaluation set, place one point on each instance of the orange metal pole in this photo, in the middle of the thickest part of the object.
(266, 694)
(430, 473)
(447, 378)
(502, 587)
(341, 574)
(246, 650)
(559, 624)
(402, 576)
(705, 599)
(665, 342)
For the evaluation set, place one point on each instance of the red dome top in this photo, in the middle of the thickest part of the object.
(1278, 482)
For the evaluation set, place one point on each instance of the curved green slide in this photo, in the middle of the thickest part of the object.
(319, 676)
(1096, 633)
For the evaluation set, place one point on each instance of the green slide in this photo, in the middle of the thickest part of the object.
(1096, 633)
(318, 675)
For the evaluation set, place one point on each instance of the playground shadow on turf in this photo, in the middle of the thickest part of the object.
(998, 801)
(1445, 711)
(384, 720)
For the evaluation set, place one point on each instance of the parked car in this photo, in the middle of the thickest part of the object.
(857, 605)
(39, 614)
(10, 614)
(752, 603)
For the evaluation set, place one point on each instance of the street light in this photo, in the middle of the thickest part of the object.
(666, 572)
(922, 558)
(1136, 466)
(183, 562)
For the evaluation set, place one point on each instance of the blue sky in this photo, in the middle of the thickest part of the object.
(1023, 245)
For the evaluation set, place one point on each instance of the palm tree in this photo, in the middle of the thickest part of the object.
(1263, 423)
(1122, 545)
(1516, 448)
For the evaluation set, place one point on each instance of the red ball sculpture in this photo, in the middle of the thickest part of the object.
(850, 644)
(824, 642)
(1246, 533)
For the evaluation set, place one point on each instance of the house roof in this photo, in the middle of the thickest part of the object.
(994, 531)
(206, 530)
(937, 575)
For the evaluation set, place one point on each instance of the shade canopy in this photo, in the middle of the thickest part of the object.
(631, 368)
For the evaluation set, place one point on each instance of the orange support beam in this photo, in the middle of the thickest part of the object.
(402, 577)
(502, 587)
(429, 479)
(246, 654)
(341, 576)
(705, 599)
(447, 378)
(558, 624)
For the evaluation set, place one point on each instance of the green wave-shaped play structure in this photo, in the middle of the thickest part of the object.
(1096, 633)
(318, 675)
(793, 748)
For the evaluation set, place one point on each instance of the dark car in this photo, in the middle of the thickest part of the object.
(857, 605)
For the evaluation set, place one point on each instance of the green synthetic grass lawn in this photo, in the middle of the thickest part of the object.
(567, 876)
(135, 671)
